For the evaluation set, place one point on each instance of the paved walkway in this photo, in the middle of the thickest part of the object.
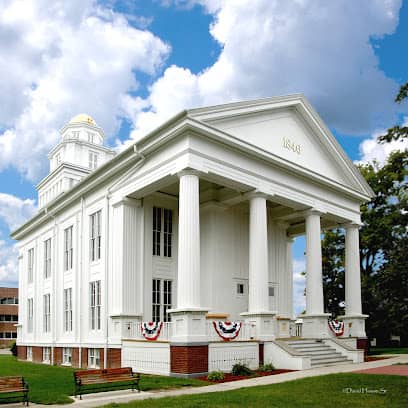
(392, 370)
(100, 399)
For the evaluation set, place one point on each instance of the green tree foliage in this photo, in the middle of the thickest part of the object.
(397, 132)
(383, 249)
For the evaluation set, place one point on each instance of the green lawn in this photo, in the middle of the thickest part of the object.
(315, 392)
(54, 385)
(388, 350)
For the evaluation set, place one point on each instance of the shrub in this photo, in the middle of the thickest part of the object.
(215, 376)
(267, 367)
(13, 348)
(241, 369)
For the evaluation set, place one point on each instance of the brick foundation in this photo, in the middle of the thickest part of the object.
(188, 360)
(114, 358)
(84, 363)
(57, 355)
(75, 357)
(37, 354)
(22, 352)
(261, 353)
(363, 344)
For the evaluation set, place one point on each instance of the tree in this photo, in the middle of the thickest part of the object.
(383, 246)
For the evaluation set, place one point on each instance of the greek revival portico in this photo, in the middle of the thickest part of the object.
(190, 315)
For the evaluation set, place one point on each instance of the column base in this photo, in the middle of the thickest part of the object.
(189, 325)
(283, 327)
(354, 325)
(315, 326)
(264, 324)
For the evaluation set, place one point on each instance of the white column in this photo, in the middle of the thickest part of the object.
(314, 277)
(258, 256)
(289, 271)
(354, 320)
(352, 276)
(188, 280)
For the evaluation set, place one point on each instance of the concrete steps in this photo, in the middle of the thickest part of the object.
(320, 354)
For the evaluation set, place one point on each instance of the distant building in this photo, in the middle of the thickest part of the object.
(186, 238)
(8, 315)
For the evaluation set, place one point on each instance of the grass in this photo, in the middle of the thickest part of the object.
(388, 350)
(324, 391)
(53, 385)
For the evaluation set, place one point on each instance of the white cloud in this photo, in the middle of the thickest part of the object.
(299, 284)
(60, 59)
(9, 264)
(371, 150)
(270, 47)
(14, 211)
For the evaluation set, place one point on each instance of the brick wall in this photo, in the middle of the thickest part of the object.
(114, 358)
(261, 353)
(37, 354)
(75, 357)
(84, 358)
(188, 359)
(22, 352)
(57, 355)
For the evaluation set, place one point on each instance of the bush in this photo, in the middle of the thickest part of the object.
(267, 367)
(13, 348)
(215, 376)
(241, 369)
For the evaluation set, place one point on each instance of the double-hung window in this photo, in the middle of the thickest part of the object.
(161, 299)
(93, 160)
(30, 315)
(68, 310)
(68, 249)
(162, 222)
(47, 313)
(95, 236)
(47, 355)
(94, 358)
(95, 305)
(67, 355)
(30, 265)
(47, 258)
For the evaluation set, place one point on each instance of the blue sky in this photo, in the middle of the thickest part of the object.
(132, 64)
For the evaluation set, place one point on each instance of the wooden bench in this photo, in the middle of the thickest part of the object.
(14, 385)
(108, 376)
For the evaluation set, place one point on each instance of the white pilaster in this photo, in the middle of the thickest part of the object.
(315, 321)
(189, 316)
(258, 275)
(353, 319)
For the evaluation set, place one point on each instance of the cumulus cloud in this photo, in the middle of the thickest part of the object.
(299, 285)
(9, 264)
(371, 150)
(64, 58)
(270, 47)
(14, 211)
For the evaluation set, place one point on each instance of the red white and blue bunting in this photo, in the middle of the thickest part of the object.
(227, 330)
(151, 330)
(337, 327)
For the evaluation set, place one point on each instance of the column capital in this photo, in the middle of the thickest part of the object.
(313, 211)
(351, 224)
(255, 194)
(129, 201)
(188, 172)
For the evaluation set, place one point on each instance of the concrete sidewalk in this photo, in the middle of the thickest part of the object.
(100, 399)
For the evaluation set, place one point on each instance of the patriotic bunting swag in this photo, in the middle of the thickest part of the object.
(151, 330)
(227, 330)
(336, 327)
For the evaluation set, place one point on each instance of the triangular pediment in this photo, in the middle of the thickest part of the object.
(290, 130)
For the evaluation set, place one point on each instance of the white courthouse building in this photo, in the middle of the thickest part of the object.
(191, 228)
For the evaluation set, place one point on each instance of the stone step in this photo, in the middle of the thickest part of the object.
(328, 363)
(328, 357)
(320, 352)
(311, 348)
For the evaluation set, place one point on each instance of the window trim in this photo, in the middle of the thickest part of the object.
(47, 258)
(30, 265)
(95, 305)
(68, 248)
(47, 313)
(162, 298)
(68, 310)
(95, 236)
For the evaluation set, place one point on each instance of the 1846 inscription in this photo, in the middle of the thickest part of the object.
(291, 145)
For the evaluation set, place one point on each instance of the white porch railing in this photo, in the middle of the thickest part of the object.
(133, 331)
(247, 332)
